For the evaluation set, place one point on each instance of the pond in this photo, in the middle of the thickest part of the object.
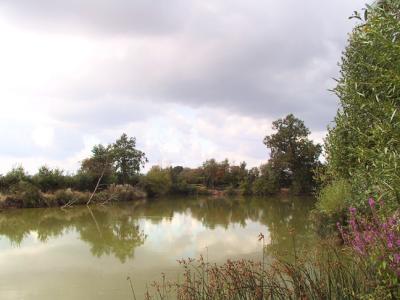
(88, 253)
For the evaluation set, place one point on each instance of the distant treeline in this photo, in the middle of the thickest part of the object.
(292, 163)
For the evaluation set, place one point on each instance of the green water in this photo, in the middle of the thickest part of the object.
(87, 253)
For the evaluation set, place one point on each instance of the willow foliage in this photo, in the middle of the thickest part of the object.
(363, 146)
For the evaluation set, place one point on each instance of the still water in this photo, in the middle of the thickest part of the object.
(88, 253)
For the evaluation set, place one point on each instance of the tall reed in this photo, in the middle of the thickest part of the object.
(324, 273)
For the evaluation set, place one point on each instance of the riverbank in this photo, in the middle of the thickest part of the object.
(27, 196)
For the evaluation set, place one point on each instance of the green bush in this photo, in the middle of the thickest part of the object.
(64, 196)
(24, 194)
(334, 198)
(332, 205)
(49, 179)
(157, 182)
(267, 183)
(179, 181)
(13, 177)
(246, 188)
(82, 181)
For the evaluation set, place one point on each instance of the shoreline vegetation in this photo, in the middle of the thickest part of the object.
(65, 198)
(112, 174)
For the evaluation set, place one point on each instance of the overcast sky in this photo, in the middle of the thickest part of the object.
(190, 79)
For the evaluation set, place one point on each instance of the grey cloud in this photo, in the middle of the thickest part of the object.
(99, 16)
(96, 114)
(265, 73)
(257, 58)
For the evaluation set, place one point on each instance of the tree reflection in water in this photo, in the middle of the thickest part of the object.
(115, 229)
(108, 230)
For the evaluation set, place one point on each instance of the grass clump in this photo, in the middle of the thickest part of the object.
(334, 197)
(331, 207)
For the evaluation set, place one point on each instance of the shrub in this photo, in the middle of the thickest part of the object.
(267, 183)
(24, 194)
(157, 182)
(68, 196)
(123, 192)
(180, 184)
(13, 177)
(82, 181)
(334, 198)
(49, 179)
(331, 207)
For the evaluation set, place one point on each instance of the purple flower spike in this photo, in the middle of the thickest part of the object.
(371, 202)
(396, 258)
(376, 238)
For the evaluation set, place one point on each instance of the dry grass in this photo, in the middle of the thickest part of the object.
(2, 197)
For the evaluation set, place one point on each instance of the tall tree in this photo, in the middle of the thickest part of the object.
(128, 160)
(293, 156)
(97, 170)
(210, 169)
(101, 162)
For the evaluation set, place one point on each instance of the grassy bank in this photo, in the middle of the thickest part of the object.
(26, 195)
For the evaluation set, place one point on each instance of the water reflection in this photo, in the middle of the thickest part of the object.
(83, 253)
(108, 230)
(116, 229)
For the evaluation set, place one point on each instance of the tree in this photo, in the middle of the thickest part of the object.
(210, 168)
(49, 179)
(121, 161)
(178, 183)
(363, 145)
(99, 166)
(267, 181)
(293, 156)
(128, 160)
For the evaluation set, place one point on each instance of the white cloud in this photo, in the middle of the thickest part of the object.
(43, 136)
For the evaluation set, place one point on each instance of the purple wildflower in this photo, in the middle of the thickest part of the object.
(371, 202)
(396, 258)
(352, 210)
(376, 239)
